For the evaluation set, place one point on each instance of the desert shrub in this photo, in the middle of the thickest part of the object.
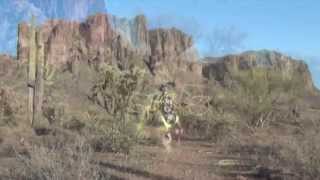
(8, 108)
(108, 134)
(214, 130)
(255, 95)
(258, 90)
(302, 155)
(202, 113)
(292, 156)
(69, 161)
(115, 89)
(53, 112)
(250, 103)
(117, 92)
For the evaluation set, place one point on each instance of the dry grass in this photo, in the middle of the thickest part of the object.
(70, 161)
(292, 156)
(302, 155)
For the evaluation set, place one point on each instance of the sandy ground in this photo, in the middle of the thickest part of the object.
(190, 160)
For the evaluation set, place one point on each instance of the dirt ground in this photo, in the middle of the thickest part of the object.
(189, 160)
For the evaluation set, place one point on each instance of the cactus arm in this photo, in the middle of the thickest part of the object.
(39, 81)
(31, 70)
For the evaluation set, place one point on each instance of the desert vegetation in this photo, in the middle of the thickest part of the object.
(237, 118)
(77, 105)
(59, 161)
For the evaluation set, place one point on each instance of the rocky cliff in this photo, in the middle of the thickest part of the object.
(13, 12)
(69, 40)
(169, 53)
(170, 46)
(102, 38)
(220, 68)
(133, 31)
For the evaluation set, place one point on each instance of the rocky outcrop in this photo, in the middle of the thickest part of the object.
(219, 69)
(13, 12)
(65, 41)
(170, 46)
(23, 42)
(105, 38)
(169, 53)
(134, 32)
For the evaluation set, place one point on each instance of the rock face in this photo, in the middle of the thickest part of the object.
(23, 42)
(168, 45)
(104, 38)
(13, 12)
(169, 53)
(219, 68)
(134, 32)
(68, 40)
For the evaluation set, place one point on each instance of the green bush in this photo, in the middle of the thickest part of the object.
(260, 89)
(203, 115)
(117, 92)
(8, 108)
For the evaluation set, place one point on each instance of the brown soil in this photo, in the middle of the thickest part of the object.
(191, 160)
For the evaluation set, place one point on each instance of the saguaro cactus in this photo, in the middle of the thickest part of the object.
(40, 73)
(39, 81)
(32, 69)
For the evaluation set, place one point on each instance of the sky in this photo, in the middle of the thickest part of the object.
(288, 26)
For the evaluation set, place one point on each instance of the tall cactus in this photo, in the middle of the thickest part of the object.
(39, 81)
(40, 73)
(32, 69)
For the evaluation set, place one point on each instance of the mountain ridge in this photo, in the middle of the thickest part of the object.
(106, 38)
